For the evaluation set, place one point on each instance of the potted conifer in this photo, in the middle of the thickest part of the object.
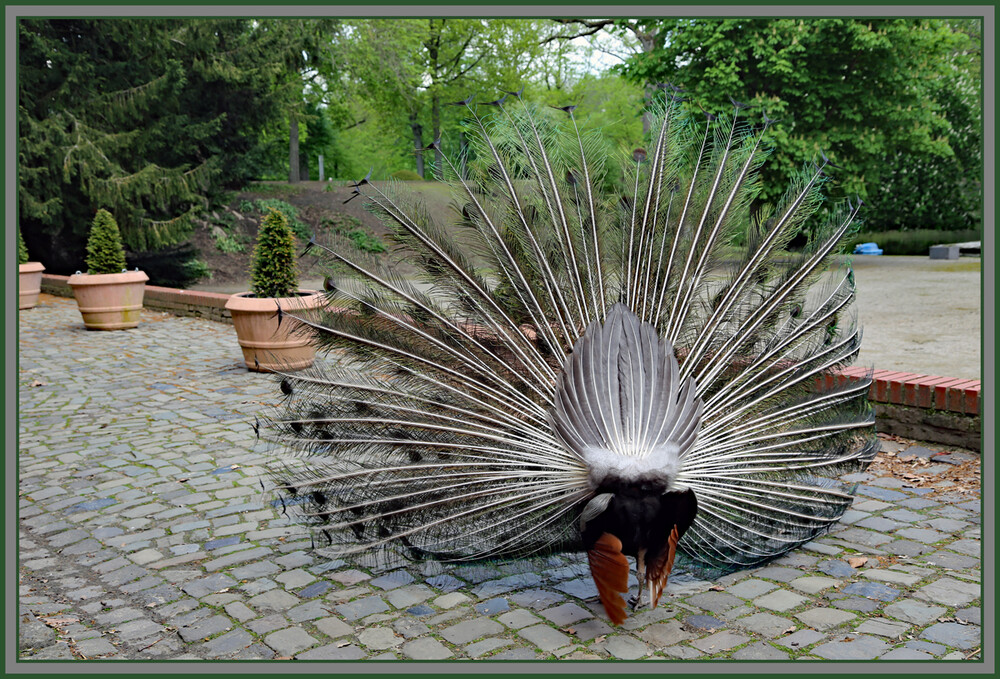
(29, 282)
(109, 297)
(272, 341)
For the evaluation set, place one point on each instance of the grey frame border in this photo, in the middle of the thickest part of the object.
(13, 12)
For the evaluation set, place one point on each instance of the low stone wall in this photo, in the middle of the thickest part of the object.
(210, 305)
(931, 408)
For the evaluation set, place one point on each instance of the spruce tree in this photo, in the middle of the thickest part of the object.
(274, 271)
(22, 249)
(105, 253)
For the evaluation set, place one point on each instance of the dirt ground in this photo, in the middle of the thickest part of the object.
(917, 314)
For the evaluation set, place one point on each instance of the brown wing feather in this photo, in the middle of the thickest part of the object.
(609, 568)
(659, 568)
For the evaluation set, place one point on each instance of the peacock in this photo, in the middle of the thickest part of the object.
(615, 353)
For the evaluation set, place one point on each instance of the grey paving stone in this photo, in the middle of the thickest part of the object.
(393, 580)
(882, 627)
(518, 618)
(239, 611)
(288, 642)
(208, 585)
(824, 619)
(861, 648)
(274, 600)
(95, 648)
(966, 547)
(925, 535)
(715, 602)
(333, 652)
(626, 648)
(883, 494)
(760, 651)
(765, 624)
(780, 600)
(543, 636)
(468, 631)
(426, 648)
(800, 639)
(814, 584)
(879, 523)
(311, 610)
(410, 627)
(205, 628)
(916, 612)
(926, 646)
(973, 615)
(379, 638)
(481, 648)
(268, 623)
(251, 571)
(360, 608)
(316, 589)
(951, 560)
(872, 590)
(703, 622)
(567, 614)
(591, 629)
(777, 573)
(492, 607)
(408, 596)
(949, 592)
(905, 654)
(720, 641)
(751, 589)
(665, 634)
(891, 577)
(333, 627)
(138, 629)
(955, 635)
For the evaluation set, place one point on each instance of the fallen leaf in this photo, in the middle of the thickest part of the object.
(857, 561)
(716, 588)
(37, 383)
(601, 638)
(789, 630)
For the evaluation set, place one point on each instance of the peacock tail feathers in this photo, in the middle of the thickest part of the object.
(455, 418)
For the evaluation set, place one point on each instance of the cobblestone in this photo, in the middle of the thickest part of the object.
(142, 517)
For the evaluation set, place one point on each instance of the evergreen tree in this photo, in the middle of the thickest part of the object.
(273, 269)
(153, 118)
(22, 249)
(105, 253)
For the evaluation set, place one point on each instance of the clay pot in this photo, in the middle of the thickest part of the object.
(268, 347)
(109, 301)
(29, 284)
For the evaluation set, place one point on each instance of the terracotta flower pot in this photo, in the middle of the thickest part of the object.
(266, 346)
(29, 284)
(109, 301)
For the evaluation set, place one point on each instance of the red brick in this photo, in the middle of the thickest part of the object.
(972, 399)
(956, 395)
(925, 390)
(941, 393)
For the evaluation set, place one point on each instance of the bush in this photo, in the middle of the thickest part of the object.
(916, 242)
(406, 176)
(22, 249)
(365, 241)
(290, 211)
(273, 267)
(105, 253)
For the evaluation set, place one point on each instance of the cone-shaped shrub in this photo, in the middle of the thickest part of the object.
(105, 253)
(22, 249)
(273, 269)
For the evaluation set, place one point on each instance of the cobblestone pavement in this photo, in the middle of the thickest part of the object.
(144, 534)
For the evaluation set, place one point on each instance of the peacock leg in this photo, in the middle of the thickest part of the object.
(640, 562)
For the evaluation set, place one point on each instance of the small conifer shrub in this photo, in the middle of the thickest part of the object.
(22, 249)
(105, 253)
(273, 267)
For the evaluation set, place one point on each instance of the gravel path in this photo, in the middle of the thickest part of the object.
(144, 534)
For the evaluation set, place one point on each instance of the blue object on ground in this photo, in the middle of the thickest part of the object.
(867, 249)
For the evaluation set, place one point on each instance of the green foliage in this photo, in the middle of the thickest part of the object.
(273, 268)
(350, 227)
(22, 249)
(105, 253)
(154, 118)
(916, 242)
(291, 213)
(891, 101)
(265, 188)
(227, 242)
(406, 176)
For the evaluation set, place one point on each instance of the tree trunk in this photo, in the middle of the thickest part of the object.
(304, 168)
(648, 42)
(418, 142)
(436, 125)
(293, 151)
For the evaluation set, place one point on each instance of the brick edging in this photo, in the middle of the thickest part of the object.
(893, 387)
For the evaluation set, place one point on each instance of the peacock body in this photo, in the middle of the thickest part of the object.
(582, 368)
